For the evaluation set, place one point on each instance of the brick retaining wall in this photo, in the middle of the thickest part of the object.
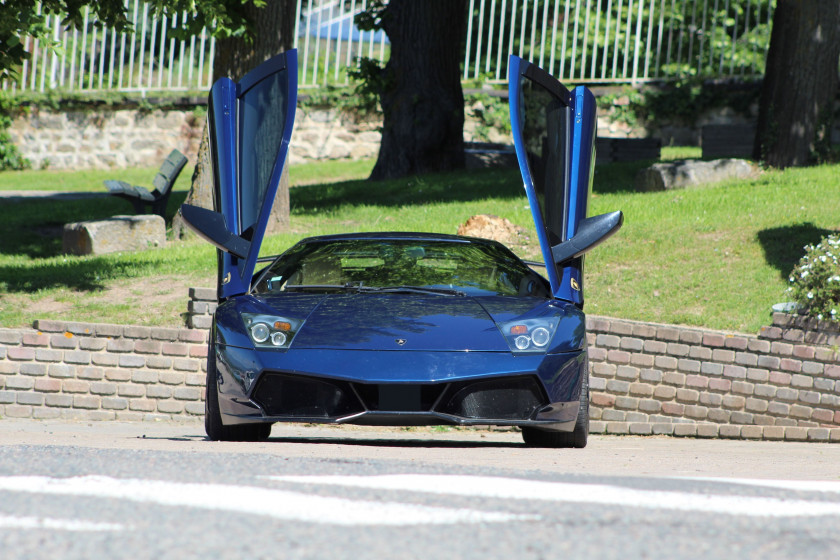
(102, 372)
(661, 379)
(645, 378)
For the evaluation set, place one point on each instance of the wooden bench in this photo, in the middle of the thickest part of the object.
(610, 150)
(140, 197)
(727, 140)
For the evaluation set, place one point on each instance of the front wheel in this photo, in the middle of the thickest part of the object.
(217, 431)
(535, 437)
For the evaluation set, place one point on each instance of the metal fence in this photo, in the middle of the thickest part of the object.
(606, 41)
(92, 58)
(619, 41)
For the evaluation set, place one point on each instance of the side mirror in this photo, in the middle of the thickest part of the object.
(591, 233)
(211, 226)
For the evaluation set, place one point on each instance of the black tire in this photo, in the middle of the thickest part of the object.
(535, 437)
(217, 431)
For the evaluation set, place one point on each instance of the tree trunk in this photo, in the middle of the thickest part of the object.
(800, 84)
(422, 103)
(273, 28)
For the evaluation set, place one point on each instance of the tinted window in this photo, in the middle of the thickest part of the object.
(544, 131)
(262, 116)
(475, 268)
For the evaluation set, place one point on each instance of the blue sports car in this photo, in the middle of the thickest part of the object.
(399, 328)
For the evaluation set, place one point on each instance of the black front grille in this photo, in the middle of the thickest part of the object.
(507, 398)
(305, 397)
(399, 398)
(292, 396)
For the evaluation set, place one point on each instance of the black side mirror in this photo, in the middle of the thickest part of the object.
(591, 233)
(211, 226)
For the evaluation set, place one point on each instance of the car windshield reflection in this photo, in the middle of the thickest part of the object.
(402, 266)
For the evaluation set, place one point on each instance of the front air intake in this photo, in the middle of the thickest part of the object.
(304, 397)
(507, 398)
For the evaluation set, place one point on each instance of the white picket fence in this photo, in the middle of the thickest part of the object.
(605, 41)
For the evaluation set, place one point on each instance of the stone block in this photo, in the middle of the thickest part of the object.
(628, 373)
(641, 429)
(730, 431)
(203, 294)
(662, 429)
(751, 432)
(120, 233)
(611, 415)
(618, 428)
(773, 433)
(692, 173)
(685, 430)
(796, 434)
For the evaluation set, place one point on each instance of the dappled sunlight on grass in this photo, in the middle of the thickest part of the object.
(716, 256)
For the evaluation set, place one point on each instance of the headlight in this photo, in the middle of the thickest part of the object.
(529, 335)
(270, 331)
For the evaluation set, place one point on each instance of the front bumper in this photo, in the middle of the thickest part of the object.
(399, 388)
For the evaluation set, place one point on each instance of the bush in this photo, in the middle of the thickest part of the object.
(815, 281)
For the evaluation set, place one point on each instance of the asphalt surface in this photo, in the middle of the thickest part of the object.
(112, 490)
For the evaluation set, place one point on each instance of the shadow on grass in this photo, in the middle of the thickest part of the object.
(618, 177)
(458, 186)
(34, 228)
(75, 274)
(784, 246)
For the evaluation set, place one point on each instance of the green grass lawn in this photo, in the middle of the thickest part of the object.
(716, 257)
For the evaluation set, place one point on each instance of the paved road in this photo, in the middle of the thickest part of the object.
(110, 490)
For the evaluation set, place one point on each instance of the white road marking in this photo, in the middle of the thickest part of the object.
(798, 485)
(13, 522)
(254, 500)
(518, 489)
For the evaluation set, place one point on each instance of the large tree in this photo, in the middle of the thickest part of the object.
(420, 88)
(272, 33)
(800, 83)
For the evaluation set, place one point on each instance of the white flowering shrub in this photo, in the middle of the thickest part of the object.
(815, 281)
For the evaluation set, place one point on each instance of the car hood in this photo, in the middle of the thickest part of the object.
(400, 322)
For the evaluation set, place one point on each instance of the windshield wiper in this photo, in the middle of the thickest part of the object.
(359, 287)
(347, 286)
(412, 289)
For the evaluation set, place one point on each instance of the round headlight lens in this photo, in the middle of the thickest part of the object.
(540, 336)
(278, 339)
(260, 332)
(522, 342)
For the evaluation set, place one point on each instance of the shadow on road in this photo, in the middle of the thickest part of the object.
(399, 442)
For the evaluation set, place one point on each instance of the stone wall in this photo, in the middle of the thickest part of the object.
(108, 137)
(661, 379)
(646, 379)
(102, 372)
(104, 136)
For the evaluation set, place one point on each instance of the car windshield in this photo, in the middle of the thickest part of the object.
(402, 265)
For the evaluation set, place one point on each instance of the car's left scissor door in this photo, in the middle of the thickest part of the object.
(250, 125)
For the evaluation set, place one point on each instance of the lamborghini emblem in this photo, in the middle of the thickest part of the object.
(400, 341)
(575, 285)
(226, 279)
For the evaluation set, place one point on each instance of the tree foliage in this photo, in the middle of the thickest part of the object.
(28, 18)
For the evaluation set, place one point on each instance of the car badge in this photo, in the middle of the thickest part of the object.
(226, 279)
(400, 341)
(575, 285)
